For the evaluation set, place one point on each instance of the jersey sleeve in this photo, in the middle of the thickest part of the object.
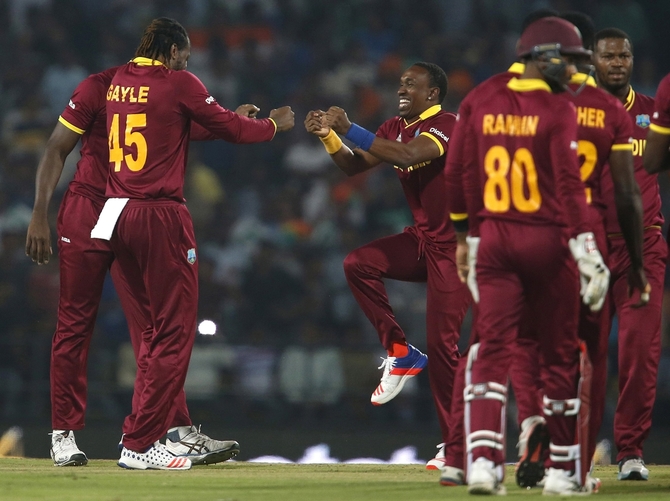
(569, 186)
(199, 133)
(225, 124)
(660, 119)
(440, 130)
(85, 104)
(461, 195)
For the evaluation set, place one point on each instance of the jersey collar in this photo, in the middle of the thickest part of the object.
(579, 78)
(528, 84)
(630, 99)
(145, 61)
(517, 68)
(433, 110)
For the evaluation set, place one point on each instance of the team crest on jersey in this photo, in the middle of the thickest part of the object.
(417, 132)
(190, 256)
(399, 138)
(642, 121)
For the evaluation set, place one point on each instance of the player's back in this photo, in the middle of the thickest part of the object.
(85, 115)
(603, 126)
(148, 132)
(517, 126)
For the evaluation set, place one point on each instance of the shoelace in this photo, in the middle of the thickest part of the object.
(387, 365)
(63, 441)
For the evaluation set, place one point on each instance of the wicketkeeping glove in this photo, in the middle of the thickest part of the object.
(593, 274)
(473, 246)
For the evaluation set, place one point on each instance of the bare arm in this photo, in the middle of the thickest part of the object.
(60, 145)
(419, 149)
(656, 155)
(629, 209)
(351, 162)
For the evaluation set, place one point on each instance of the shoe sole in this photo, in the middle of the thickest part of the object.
(382, 399)
(139, 465)
(633, 475)
(214, 457)
(75, 460)
(451, 482)
(486, 490)
(530, 469)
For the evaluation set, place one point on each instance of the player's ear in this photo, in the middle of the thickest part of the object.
(174, 51)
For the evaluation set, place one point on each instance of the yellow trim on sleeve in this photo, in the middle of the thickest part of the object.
(659, 129)
(73, 128)
(437, 141)
(275, 124)
(622, 147)
(458, 216)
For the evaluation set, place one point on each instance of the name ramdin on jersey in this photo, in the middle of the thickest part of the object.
(510, 125)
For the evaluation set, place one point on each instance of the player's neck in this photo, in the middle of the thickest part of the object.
(622, 93)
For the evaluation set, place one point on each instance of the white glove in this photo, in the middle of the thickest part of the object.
(593, 274)
(473, 246)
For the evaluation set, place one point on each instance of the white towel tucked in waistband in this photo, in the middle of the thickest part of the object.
(108, 216)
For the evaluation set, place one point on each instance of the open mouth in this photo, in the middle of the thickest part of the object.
(403, 103)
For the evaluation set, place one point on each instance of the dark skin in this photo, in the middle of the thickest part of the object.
(613, 61)
(415, 96)
(63, 141)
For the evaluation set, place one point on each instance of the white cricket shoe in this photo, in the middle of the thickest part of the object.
(451, 476)
(397, 371)
(437, 463)
(64, 450)
(565, 483)
(483, 478)
(157, 457)
(188, 441)
(632, 468)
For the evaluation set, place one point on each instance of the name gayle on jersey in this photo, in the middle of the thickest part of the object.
(131, 94)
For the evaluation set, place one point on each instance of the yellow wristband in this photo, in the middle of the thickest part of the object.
(332, 142)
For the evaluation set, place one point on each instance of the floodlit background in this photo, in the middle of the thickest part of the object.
(284, 359)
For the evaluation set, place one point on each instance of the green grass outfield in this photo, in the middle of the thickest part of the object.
(22, 478)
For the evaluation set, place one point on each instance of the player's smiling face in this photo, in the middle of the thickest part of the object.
(613, 60)
(415, 95)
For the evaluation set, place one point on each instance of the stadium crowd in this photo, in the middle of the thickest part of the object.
(273, 221)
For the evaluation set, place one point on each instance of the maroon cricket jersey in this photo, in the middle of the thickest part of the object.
(640, 108)
(461, 153)
(148, 140)
(85, 114)
(525, 142)
(423, 183)
(603, 126)
(660, 119)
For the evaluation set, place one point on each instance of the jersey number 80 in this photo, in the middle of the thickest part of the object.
(518, 187)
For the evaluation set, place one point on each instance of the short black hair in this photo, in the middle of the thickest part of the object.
(584, 24)
(537, 15)
(438, 78)
(159, 36)
(612, 33)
